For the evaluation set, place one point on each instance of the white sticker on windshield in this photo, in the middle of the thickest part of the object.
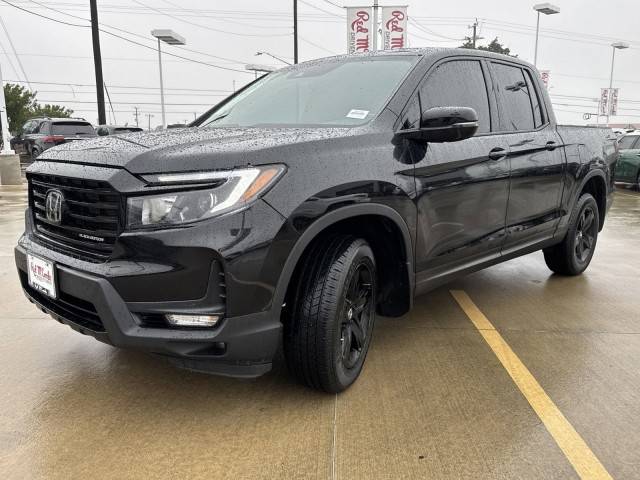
(359, 114)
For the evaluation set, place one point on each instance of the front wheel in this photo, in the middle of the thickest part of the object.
(573, 255)
(328, 333)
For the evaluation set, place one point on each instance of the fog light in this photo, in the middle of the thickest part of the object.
(193, 320)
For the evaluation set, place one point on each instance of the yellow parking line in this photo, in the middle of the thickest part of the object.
(583, 460)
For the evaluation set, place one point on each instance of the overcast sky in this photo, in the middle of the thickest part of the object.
(574, 46)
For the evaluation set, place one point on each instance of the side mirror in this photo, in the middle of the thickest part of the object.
(445, 124)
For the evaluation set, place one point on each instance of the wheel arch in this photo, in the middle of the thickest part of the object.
(595, 184)
(331, 222)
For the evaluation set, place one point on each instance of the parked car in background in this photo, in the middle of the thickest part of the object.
(40, 134)
(628, 168)
(375, 178)
(103, 130)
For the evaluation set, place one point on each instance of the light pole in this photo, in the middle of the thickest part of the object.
(615, 46)
(260, 69)
(4, 120)
(273, 56)
(172, 38)
(547, 9)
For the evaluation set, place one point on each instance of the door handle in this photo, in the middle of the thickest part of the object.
(497, 153)
(551, 146)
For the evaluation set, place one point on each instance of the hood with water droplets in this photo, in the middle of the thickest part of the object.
(192, 149)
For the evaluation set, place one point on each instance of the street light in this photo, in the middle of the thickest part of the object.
(615, 46)
(172, 38)
(272, 56)
(260, 68)
(547, 9)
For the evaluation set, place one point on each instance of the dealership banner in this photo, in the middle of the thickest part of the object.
(545, 76)
(359, 29)
(394, 27)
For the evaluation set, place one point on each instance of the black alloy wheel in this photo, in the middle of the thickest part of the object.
(586, 233)
(573, 254)
(357, 316)
(329, 325)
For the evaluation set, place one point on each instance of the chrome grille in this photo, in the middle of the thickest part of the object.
(91, 216)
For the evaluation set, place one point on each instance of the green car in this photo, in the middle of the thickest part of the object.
(628, 168)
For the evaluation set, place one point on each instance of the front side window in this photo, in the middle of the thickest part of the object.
(458, 83)
(517, 102)
(627, 142)
(27, 128)
(340, 92)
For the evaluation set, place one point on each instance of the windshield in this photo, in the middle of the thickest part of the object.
(341, 92)
(627, 142)
(72, 128)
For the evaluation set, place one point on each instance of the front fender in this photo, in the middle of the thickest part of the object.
(321, 212)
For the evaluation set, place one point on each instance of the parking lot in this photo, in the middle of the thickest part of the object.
(434, 400)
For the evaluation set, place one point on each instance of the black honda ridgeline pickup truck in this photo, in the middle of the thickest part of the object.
(307, 203)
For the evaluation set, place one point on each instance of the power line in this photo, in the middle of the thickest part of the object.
(44, 16)
(210, 28)
(15, 53)
(120, 86)
(317, 46)
(125, 39)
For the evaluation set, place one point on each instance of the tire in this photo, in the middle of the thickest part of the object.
(573, 255)
(35, 153)
(638, 181)
(328, 332)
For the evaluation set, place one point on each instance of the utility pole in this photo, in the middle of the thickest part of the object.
(149, 117)
(97, 60)
(475, 33)
(136, 115)
(375, 25)
(295, 31)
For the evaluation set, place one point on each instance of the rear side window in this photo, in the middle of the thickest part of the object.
(127, 130)
(72, 128)
(459, 83)
(536, 104)
(518, 99)
(628, 142)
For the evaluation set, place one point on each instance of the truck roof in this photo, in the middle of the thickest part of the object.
(423, 52)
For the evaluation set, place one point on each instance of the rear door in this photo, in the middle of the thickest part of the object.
(629, 159)
(462, 187)
(536, 156)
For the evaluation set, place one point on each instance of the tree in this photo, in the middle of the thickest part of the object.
(53, 111)
(22, 105)
(495, 46)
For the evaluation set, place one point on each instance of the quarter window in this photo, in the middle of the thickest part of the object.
(521, 106)
(458, 83)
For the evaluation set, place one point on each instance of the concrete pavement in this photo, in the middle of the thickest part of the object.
(433, 401)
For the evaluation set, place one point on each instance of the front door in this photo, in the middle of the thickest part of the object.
(462, 187)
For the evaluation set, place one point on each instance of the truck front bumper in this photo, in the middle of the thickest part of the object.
(241, 346)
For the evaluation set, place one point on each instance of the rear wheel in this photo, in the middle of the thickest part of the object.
(573, 255)
(638, 181)
(35, 153)
(333, 313)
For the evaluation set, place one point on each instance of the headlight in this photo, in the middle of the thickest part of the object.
(231, 190)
